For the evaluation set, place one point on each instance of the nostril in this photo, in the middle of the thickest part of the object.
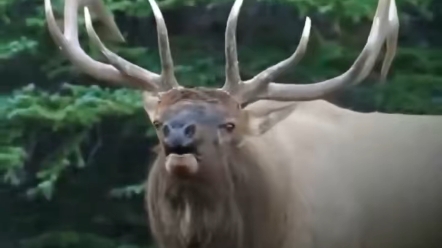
(166, 130)
(189, 131)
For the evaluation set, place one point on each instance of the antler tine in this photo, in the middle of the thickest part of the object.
(233, 78)
(122, 65)
(120, 71)
(391, 41)
(163, 44)
(263, 78)
(167, 79)
(384, 28)
(234, 84)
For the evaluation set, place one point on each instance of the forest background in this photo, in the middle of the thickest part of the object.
(74, 153)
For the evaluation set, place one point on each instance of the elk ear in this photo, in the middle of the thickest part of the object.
(150, 102)
(261, 116)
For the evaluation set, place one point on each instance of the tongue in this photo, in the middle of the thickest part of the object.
(181, 165)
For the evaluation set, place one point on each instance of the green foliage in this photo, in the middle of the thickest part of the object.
(28, 34)
(73, 240)
(405, 95)
(128, 191)
(29, 114)
(354, 10)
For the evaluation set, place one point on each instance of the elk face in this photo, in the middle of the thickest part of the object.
(199, 127)
(193, 126)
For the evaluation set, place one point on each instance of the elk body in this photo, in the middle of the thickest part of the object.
(262, 164)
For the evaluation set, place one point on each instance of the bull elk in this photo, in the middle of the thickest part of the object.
(263, 164)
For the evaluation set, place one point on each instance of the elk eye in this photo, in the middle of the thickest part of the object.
(157, 124)
(229, 126)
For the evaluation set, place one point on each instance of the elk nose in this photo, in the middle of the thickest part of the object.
(179, 139)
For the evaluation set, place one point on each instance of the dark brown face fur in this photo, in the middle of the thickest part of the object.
(207, 108)
(208, 208)
(193, 125)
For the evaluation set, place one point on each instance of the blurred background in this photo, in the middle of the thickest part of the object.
(74, 152)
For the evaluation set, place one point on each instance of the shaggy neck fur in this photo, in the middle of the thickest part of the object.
(225, 207)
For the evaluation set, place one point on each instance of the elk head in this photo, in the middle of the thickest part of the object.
(193, 124)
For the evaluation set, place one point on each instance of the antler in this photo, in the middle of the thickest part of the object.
(120, 71)
(385, 28)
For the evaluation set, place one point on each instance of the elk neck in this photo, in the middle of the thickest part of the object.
(226, 208)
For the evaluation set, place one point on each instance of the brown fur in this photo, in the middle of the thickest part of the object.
(225, 204)
(198, 94)
(323, 177)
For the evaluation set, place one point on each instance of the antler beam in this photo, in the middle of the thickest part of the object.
(120, 71)
(385, 28)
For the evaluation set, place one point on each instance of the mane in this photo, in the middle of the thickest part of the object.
(216, 216)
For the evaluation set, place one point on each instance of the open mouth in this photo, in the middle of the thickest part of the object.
(181, 164)
(181, 160)
(180, 150)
